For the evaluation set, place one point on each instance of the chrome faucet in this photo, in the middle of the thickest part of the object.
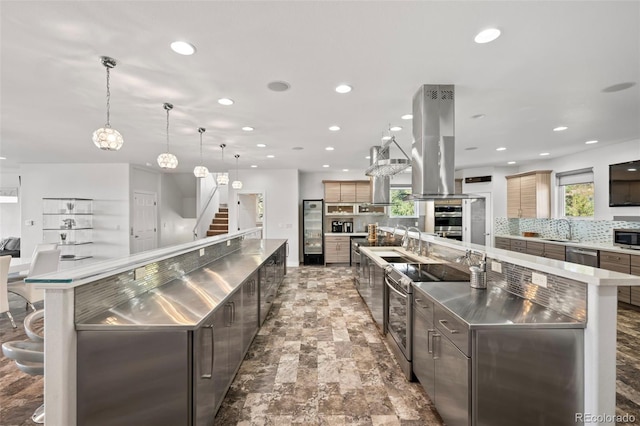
(405, 237)
(570, 236)
(419, 239)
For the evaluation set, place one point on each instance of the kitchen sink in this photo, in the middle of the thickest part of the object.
(398, 259)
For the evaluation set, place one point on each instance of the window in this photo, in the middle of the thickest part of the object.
(575, 193)
(399, 207)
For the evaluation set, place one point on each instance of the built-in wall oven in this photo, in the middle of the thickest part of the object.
(447, 219)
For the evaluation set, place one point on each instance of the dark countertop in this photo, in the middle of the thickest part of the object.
(185, 302)
(492, 307)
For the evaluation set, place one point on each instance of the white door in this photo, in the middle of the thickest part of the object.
(477, 220)
(144, 235)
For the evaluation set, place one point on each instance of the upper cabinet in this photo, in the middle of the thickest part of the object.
(529, 195)
(347, 191)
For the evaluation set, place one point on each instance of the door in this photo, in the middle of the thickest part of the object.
(477, 224)
(203, 371)
(250, 318)
(144, 234)
(251, 210)
(452, 378)
(423, 363)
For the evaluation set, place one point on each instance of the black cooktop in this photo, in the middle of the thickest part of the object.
(428, 272)
(364, 242)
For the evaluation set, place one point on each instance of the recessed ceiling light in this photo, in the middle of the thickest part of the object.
(544, 154)
(248, 129)
(271, 156)
(511, 162)
(183, 48)
(368, 157)
(345, 170)
(3, 158)
(502, 148)
(253, 166)
(386, 138)
(478, 116)
(618, 87)
(225, 101)
(297, 148)
(334, 128)
(329, 148)
(471, 148)
(395, 128)
(407, 117)
(261, 145)
(279, 86)
(591, 142)
(343, 88)
(487, 35)
(560, 128)
(325, 165)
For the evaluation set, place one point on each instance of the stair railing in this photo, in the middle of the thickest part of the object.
(204, 209)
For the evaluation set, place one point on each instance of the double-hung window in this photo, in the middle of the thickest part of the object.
(399, 207)
(575, 193)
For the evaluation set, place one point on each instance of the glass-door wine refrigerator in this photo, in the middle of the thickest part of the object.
(312, 214)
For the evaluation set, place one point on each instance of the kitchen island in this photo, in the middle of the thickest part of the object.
(155, 316)
(587, 295)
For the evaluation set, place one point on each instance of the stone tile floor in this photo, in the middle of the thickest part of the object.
(317, 360)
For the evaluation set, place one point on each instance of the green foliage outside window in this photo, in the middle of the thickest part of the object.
(400, 207)
(578, 200)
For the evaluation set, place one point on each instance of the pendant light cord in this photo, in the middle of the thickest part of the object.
(108, 99)
(167, 129)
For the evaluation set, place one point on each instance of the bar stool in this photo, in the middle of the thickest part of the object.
(29, 355)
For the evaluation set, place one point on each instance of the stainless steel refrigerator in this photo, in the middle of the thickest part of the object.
(312, 232)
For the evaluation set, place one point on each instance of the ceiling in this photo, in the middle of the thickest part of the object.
(550, 67)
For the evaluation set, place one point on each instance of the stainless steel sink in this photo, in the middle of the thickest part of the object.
(398, 259)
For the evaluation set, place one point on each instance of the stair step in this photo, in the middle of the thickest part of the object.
(223, 209)
(222, 215)
(216, 227)
(221, 221)
(212, 233)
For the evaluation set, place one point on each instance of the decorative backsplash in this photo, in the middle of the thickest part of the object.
(594, 231)
(98, 296)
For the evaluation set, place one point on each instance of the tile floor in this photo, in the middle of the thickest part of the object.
(318, 360)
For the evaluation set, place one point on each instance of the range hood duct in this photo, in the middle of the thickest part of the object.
(433, 147)
(380, 184)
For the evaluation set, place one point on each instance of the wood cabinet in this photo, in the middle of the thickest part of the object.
(535, 248)
(347, 191)
(618, 262)
(503, 243)
(554, 251)
(529, 195)
(519, 246)
(635, 270)
(337, 249)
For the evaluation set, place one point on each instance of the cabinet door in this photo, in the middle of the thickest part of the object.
(221, 376)
(535, 248)
(332, 192)
(249, 311)
(363, 192)
(528, 196)
(513, 197)
(503, 243)
(452, 378)
(423, 362)
(348, 192)
(554, 251)
(235, 335)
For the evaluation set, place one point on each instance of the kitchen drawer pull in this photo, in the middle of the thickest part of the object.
(419, 305)
(210, 375)
(429, 338)
(444, 324)
(434, 345)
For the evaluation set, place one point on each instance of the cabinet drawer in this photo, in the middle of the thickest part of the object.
(635, 261)
(503, 243)
(519, 249)
(518, 244)
(635, 296)
(423, 306)
(615, 262)
(453, 328)
(535, 248)
(624, 294)
(554, 251)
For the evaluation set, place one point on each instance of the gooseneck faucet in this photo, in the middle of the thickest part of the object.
(570, 236)
(405, 237)
(419, 239)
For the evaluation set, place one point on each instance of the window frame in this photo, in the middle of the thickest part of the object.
(416, 213)
(573, 177)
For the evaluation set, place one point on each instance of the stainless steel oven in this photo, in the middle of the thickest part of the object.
(447, 219)
(399, 306)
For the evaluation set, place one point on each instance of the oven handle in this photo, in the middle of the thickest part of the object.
(404, 296)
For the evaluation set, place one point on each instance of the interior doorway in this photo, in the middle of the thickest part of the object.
(251, 210)
(144, 235)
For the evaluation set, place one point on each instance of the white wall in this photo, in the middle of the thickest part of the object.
(10, 212)
(174, 227)
(106, 184)
(282, 204)
(599, 158)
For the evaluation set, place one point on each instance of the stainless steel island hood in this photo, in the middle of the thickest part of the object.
(433, 146)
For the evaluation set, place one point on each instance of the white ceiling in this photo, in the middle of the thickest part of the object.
(549, 68)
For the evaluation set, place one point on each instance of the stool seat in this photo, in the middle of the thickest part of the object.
(31, 328)
(31, 368)
(24, 351)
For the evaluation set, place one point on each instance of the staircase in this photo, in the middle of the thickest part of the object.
(220, 223)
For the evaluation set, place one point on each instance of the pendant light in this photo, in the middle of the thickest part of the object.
(167, 160)
(237, 184)
(106, 138)
(222, 178)
(201, 171)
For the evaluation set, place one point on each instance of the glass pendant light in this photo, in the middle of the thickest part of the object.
(106, 138)
(222, 178)
(237, 184)
(167, 160)
(201, 171)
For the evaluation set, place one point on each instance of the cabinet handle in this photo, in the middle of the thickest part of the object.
(229, 320)
(210, 375)
(419, 305)
(434, 345)
(429, 338)
(444, 324)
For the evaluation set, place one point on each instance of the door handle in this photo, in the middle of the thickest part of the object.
(210, 375)
(444, 324)
(434, 345)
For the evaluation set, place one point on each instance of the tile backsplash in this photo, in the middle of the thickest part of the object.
(595, 231)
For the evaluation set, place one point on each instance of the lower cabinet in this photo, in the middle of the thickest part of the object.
(618, 262)
(337, 249)
(271, 275)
